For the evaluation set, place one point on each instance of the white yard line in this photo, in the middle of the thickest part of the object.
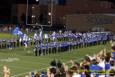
(37, 70)
(26, 72)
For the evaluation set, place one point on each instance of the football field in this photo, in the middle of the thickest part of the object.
(22, 61)
(6, 36)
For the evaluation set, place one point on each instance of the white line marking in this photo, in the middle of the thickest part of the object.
(26, 73)
(37, 70)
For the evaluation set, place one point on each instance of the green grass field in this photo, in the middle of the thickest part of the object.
(6, 36)
(23, 62)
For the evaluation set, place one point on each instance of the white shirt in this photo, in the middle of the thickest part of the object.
(101, 75)
(46, 36)
(76, 75)
(24, 38)
(20, 33)
(102, 64)
(53, 35)
(20, 40)
(40, 35)
(35, 36)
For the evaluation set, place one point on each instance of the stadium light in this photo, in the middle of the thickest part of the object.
(49, 13)
(37, 0)
(33, 16)
(49, 22)
(33, 7)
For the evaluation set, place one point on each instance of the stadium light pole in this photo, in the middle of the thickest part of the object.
(27, 13)
(51, 12)
(27, 10)
(37, 23)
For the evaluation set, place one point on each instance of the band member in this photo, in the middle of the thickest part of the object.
(54, 36)
(46, 37)
(25, 41)
(35, 38)
(40, 36)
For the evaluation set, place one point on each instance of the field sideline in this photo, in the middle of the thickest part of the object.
(6, 36)
(20, 62)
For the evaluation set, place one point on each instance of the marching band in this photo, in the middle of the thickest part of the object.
(46, 43)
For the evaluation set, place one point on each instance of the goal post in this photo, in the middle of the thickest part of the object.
(30, 17)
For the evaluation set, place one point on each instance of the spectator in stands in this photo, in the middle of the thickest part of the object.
(6, 71)
(37, 75)
(94, 68)
(68, 74)
(113, 52)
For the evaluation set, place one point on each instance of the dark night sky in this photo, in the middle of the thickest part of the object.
(5, 6)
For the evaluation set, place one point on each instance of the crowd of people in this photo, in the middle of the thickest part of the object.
(67, 40)
(98, 65)
(45, 43)
(6, 27)
(101, 64)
